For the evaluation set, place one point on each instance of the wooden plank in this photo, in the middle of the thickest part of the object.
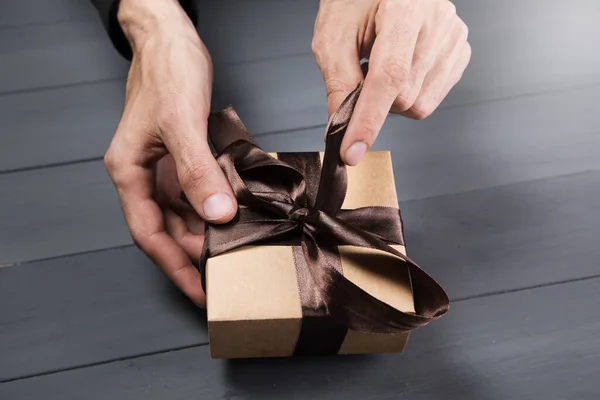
(90, 308)
(528, 46)
(508, 237)
(36, 12)
(50, 55)
(543, 341)
(240, 30)
(58, 126)
(57, 211)
(492, 240)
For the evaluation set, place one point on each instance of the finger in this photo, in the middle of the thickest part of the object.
(435, 87)
(458, 70)
(339, 63)
(179, 230)
(337, 52)
(388, 77)
(442, 77)
(194, 223)
(145, 220)
(169, 193)
(434, 43)
(199, 174)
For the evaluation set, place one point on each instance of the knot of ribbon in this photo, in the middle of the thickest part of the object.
(294, 200)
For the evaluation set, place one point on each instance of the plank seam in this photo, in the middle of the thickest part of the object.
(50, 165)
(80, 253)
(158, 352)
(542, 179)
(61, 86)
(525, 288)
(98, 363)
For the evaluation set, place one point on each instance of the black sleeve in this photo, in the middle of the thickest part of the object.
(108, 14)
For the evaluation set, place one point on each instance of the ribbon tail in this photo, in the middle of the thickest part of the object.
(383, 222)
(353, 307)
(334, 181)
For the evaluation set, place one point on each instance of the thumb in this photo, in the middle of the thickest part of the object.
(202, 180)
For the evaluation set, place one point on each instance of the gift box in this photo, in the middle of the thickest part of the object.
(315, 261)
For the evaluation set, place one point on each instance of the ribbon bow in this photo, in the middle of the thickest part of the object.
(284, 202)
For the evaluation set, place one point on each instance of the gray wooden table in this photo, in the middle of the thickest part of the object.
(500, 191)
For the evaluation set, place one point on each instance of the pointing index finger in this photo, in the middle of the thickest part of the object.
(389, 71)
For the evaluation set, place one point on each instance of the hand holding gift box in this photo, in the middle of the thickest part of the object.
(314, 263)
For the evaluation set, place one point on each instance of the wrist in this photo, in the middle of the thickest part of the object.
(142, 19)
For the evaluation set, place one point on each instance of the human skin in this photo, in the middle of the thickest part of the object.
(417, 52)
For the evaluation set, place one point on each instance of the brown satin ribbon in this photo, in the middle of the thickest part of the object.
(284, 205)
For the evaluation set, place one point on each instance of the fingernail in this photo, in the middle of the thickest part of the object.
(217, 206)
(355, 153)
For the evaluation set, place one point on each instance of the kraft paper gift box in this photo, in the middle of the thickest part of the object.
(254, 301)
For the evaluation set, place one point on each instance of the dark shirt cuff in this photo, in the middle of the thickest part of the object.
(107, 9)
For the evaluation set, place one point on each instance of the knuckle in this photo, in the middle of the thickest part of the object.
(140, 240)
(405, 100)
(113, 163)
(450, 8)
(135, 238)
(111, 156)
(395, 72)
(422, 111)
(464, 30)
(109, 160)
(335, 87)
(320, 42)
(467, 59)
(370, 126)
(468, 51)
(114, 166)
